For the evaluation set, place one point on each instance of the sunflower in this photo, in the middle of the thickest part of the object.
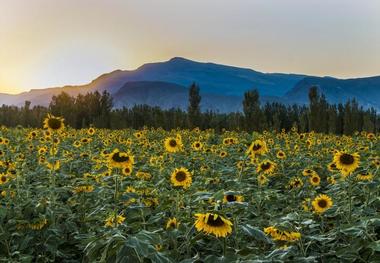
(266, 166)
(119, 159)
(181, 177)
(364, 176)
(331, 180)
(321, 203)
(127, 170)
(230, 198)
(262, 179)
(197, 146)
(91, 131)
(172, 223)
(223, 154)
(346, 162)
(54, 166)
(295, 183)
(173, 144)
(331, 167)
(114, 220)
(308, 172)
(3, 179)
(257, 147)
(213, 224)
(279, 235)
(315, 180)
(281, 155)
(77, 144)
(53, 123)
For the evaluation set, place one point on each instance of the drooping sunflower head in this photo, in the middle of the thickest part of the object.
(322, 203)
(347, 162)
(118, 159)
(53, 123)
(213, 224)
(173, 144)
(181, 177)
(266, 167)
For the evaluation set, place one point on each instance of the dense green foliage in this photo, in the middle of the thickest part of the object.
(96, 109)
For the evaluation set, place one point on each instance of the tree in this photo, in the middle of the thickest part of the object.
(254, 117)
(194, 111)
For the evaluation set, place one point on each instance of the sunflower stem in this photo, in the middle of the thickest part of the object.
(224, 246)
(350, 201)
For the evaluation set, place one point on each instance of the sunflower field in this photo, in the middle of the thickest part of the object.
(150, 195)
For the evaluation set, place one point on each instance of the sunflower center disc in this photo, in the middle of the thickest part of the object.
(265, 166)
(54, 123)
(217, 222)
(173, 143)
(322, 203)
(256, 147)
(180, 176)
(347, 158)
(117, 158)
(231, 198)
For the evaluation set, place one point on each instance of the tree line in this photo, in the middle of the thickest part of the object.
(96, 109)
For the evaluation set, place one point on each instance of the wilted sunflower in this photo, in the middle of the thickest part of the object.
(119, 159)
(172, 223)
(266, 167)
(53, 123)
(257, 147)
(346, 162)
(321, 203)
(181, 177)
(230, 198)
(173, 144)
(213, 224)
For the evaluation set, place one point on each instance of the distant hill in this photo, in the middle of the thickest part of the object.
(365, 90)
(165, 84)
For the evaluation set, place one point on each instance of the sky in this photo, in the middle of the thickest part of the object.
(48, 43)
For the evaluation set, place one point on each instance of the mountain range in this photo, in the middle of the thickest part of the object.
(165, 84)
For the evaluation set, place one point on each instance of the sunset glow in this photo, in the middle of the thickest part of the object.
(54, 43)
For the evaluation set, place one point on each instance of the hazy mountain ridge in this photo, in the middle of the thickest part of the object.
(165, 84)
(365, 90)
